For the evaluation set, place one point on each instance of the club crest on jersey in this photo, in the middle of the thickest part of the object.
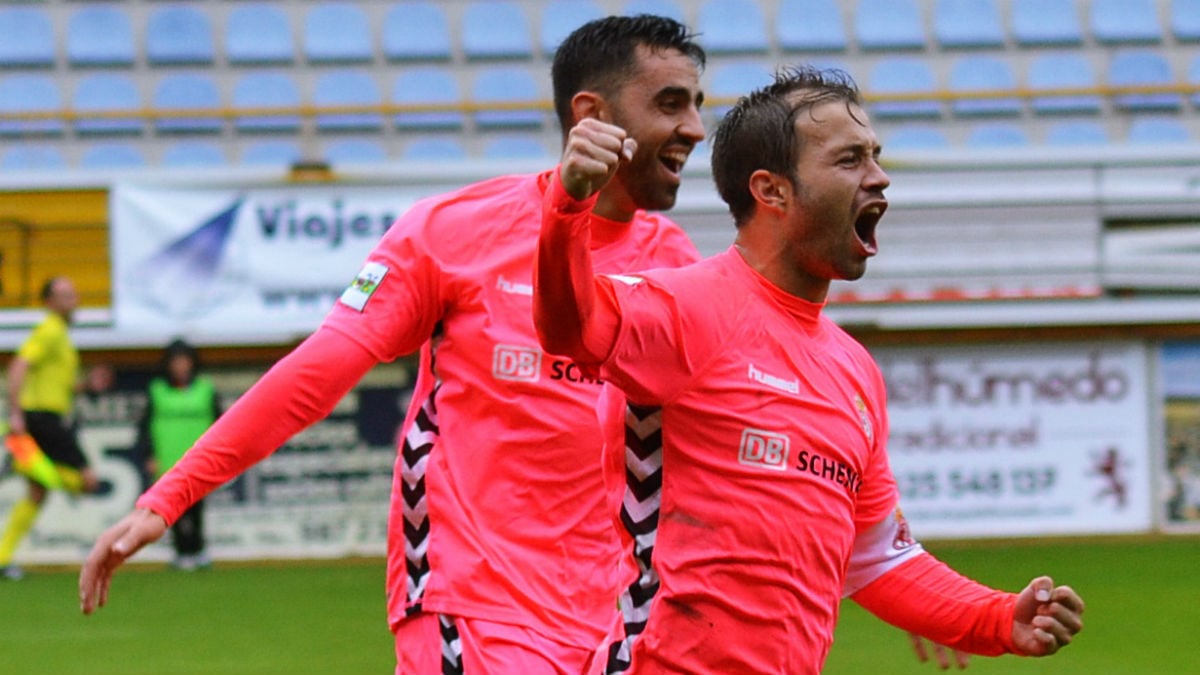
(864, 417)
(364, 286)
(764, 449)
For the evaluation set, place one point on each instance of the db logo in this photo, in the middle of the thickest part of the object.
(763, 449)
(521, 364)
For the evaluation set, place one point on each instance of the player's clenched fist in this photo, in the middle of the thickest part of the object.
(593, 151)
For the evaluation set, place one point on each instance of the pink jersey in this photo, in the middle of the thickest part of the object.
(498, 509)
(771, 460)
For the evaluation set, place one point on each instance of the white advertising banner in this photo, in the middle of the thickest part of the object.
(259, 261)
(1016, 440)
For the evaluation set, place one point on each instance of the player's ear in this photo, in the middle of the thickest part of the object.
(587, 104)
(770, 190)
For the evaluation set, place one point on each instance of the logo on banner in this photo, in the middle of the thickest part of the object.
(519, 364)
(764, 449)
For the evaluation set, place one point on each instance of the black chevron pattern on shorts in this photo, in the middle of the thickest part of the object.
(414, 452)
(639, 515)
(451, 646)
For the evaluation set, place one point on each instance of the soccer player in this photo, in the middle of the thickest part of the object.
(42, 379)
(502, 556)
(762, 421)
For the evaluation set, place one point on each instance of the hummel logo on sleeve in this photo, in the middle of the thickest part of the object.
(364, 286)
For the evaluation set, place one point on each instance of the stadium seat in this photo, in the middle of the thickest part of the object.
(1142, 68)
(187, 91)
(514, 146)
(179, 34)
(889, 25)
(416, 30)
(434, 148)
(337, 32)
(109, 93)
(274, 152)
(32, 157)
(112, 156)
(30, 93)
(732, 26)
(981, 74)
(1046, 22)
(1125, 21)
(667, 8)
(495, 29)
(426, 85)
(810, 25)
(100, 35)
(1185, 20)
(1158, 130)
(353, 151)
(506, 85)
(347, 88)
(259, 33)
(915, 137)
(26, 37)
(187, 154)
(968, 23)
(903, 75)
(733, 79)
(997, 135)
(1076, 132)
(275, 89)
(1063, 70)
(560, 17)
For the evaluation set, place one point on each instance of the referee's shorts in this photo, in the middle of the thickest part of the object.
(55, 438)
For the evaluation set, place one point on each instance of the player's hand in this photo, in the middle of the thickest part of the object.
(941, 653)
(115, 545)
(1047, 617)
(593, 151)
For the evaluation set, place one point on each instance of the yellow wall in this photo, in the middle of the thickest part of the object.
(54, 232)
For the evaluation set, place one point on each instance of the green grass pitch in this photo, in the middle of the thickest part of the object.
(1142, 594)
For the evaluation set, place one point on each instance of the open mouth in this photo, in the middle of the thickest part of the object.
(674, 160)
(865, 223)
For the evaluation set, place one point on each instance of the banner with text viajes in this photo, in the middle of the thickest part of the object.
(262, 261)
(999, 440)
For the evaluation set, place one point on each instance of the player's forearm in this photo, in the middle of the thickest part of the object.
(300, 389)
(926, 597)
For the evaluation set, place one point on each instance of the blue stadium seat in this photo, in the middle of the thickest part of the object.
(667, 8)
(188, 154)
(275, 89)
(968, 23)
(980, 74)
(354, 151)
(179, 34)
(30, 93)
(1158, 131)
(1125, 21)
(1063, 70)
(733, 79)
(732, 26)
(889, 25)
(434, 148)
(515, 146)
(997, 135)
(1142, 68)
(810, 25)
(259, 33)
(1076, 132)
(560, 17)
(427, 85)
(495, 29)
(506, 85)
(1185, 20)
(108, 93)
(915, 137)
(273, 152)
(347, 88)
(112, 156)
(1046, 22)
(903, 75)
(26, 37)
(100, 35)
(187, 91)
(337, 32)
(416, 30)
(32, 157)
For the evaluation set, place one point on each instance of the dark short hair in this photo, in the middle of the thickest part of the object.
(759, 132)
(48, 287)
(180, 347)
(601, 55)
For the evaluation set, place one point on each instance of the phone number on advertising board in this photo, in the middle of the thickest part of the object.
(958, 483)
